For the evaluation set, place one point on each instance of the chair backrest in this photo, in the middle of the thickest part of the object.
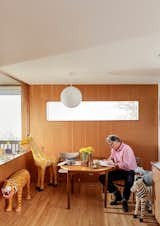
(68, 155)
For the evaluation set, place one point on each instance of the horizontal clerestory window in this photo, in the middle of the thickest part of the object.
(93, 111)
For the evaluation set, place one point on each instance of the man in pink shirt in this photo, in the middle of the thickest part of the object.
(124, 160)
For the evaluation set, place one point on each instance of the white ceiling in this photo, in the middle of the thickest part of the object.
(6, 80)
(80, 41)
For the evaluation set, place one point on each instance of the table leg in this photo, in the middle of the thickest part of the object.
(105, 190)
(68, 190)
(72, 188)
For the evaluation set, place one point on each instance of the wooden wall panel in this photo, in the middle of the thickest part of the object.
(24, 161)
(56, 137)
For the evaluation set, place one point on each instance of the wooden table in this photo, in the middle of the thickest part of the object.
(74, 169)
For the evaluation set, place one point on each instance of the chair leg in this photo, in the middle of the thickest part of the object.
(39, 177)
(50, 174)
(55, 173)
(42, 178)
(103, 188)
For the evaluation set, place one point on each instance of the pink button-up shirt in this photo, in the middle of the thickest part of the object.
(124, 157)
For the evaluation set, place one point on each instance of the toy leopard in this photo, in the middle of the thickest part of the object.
(14, 186)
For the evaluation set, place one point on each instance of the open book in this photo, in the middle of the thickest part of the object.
(106, 162)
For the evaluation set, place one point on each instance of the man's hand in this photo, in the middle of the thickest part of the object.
(116, 165)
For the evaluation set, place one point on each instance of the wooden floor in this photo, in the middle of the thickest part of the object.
(48, 208)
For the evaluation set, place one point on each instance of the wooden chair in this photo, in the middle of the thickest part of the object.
(63, 156)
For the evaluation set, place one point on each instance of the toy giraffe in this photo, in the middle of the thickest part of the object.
(42, 161)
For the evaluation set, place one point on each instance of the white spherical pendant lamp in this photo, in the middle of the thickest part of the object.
(71, 97)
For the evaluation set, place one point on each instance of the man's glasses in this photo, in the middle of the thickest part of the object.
(110, 143)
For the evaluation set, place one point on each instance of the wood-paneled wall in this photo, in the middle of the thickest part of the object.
(24, 161)
(58, 137)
